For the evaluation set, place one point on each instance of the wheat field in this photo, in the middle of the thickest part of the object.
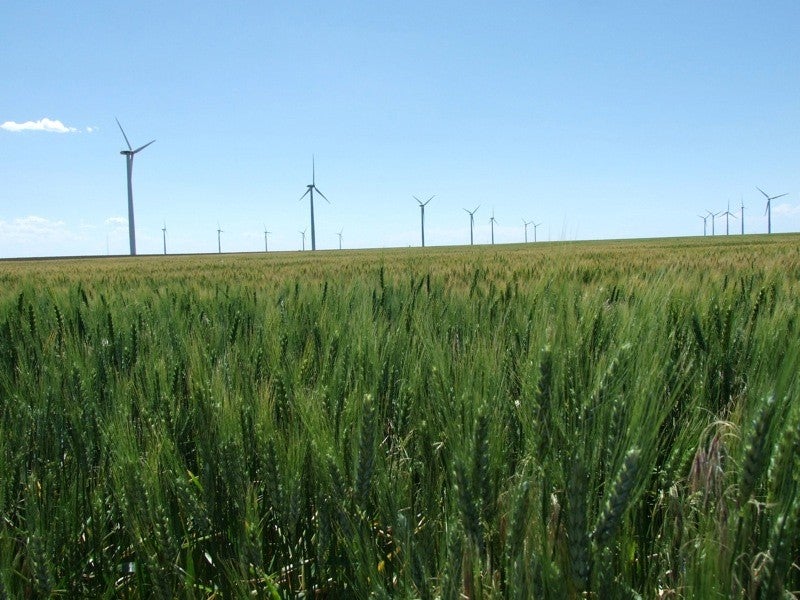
(603, 420)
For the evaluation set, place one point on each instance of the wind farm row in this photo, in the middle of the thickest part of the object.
(729, 215)
(312, 189)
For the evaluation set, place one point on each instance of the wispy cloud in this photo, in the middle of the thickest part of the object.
(33, 227)
(45, 124)
(116, 222)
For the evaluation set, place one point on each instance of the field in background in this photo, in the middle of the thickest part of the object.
(617, 419)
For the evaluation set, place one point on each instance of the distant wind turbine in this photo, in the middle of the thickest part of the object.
(164, 232)
(526, 223)
(312, 187)
(492, 221)
(128, 154)
(768, 211)
(422, 215)
(219, 239)
(471, 221)
(303, 233)
(728, 214)
(713, 219)
(340, 238)
(741, 200)
(266, 233)
(535, 227)
(705, 223)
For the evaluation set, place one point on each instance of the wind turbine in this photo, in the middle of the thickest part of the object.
(128, 154)
(303, 233)
(535, 227)
(705, 222)
(219, 239)
(526, 223)
(266, 233)
(768, 211)
(492, 221)
(340, 238)
(728, 214)
(164, 232)
(713, 219)
(310, 192)
(422, 215)
(741, 200)
(471, 221)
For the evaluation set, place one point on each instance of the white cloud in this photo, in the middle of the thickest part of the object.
(116, 222)
(33, 227)
(44, 124)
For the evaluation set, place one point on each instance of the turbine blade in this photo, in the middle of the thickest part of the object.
(431, 198)
(312, 169)
(781, 196)
(304, 195)
(417, 199)
(763, 192)
(142, 147)
(123, 133)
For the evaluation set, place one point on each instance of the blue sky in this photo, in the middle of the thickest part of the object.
(597, 119)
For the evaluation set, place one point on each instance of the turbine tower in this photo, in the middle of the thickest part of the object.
(266, 233)
(219, 239)
(768, 211)
(303, 233)
(705, 223)
(128, 154)
(422, 215)
(471, 221)
(526, 223)
(492, 221)
(164, 232)
(535, 227)
(310, 193)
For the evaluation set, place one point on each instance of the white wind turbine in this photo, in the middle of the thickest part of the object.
(713, 217)
(705, 223)
(492, 221)
(768, 211)
(312, 187)
(129, 154)
(422, 215)
(526, 223)
(728, 214)
(471, 221)
(741, 200)
(535, 227)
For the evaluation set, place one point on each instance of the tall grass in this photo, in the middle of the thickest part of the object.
(603, 420)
